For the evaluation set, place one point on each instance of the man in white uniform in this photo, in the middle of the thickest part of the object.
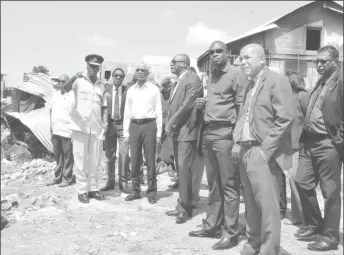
(89, 119)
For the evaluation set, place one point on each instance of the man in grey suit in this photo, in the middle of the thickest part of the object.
(182, 125)
(263, 145)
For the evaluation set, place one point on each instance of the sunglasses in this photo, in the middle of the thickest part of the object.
(321, 61)
(218, 51)
(118, 76)
(173, 62)
(140, 70)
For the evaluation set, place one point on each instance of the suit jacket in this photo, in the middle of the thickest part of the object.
(182, 114)
(332, 110)
(109, 98)
(271, 116)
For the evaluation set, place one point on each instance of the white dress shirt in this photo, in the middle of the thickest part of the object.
(113, 100)
(142, 103)
(178, 80)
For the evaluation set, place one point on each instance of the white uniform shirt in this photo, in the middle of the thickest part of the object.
(143, 103)
(61, 106)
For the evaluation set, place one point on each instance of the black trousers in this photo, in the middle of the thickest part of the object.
(283, 194)
(184, 153)
(223, 181)
(320, 163)
(114, 135)
(143, 136)
(63, 153)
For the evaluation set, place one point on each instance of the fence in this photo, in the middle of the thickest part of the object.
(282, 62)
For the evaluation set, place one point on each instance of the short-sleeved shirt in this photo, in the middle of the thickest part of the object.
(61, 106)
(89, 100)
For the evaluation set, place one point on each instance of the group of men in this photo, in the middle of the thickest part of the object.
(240, 125)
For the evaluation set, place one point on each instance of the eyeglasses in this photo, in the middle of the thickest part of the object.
(173, 62)
(321, 61)
(140, 70)
(217, 51)
(118, 76)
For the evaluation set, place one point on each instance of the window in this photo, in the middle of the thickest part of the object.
(299, 66)
(313, 38)
(107, 75)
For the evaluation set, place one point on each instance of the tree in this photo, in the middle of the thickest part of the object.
(40, 69)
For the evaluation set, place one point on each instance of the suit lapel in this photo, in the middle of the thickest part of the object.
(332, 82)
(177, 86)
(260, 85)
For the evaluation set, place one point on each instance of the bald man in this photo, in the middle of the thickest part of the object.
(263, 147)
(61, 134)
(221, 109)
(142, 126)
(182, 125)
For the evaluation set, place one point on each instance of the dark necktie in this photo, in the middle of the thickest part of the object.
(240, 124)
(116, 114)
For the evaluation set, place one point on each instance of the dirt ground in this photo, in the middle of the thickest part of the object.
(50, 220)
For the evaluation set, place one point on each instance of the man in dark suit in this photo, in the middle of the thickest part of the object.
(322, 156)
(116, 103)
(263, 146)
(182, 126)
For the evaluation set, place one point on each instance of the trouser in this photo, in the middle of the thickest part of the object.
(224, 184)
(197, 170)
(184, 154)
(283, 194)
(320, 163)
(261, 195)
(87, 150)
(63, 153)
(143, 136)
(114, 135)
(296, 209)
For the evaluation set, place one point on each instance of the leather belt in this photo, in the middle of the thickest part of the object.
(249, 144)
(116, 122)
(218, 124)
(142, 121)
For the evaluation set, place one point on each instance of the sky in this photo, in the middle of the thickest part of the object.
(60, 34)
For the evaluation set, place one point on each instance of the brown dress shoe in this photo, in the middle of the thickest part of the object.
(132, 196)
(306, 234)
(83, 198)
(225, 243)
(322, 245)
(96, 195)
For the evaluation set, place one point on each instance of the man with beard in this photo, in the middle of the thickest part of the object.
(182, 126)
(142, 130)
(89, 119)
(116, 104)
(263, 145)
(220, 116)
(322, 155)
(61, 133)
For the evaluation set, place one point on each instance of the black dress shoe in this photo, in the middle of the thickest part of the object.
(182, 218)
(306, 234)
(225, 243)
(53, 182)
(205, 233)
(124, 189)
(152, 200)
(174, 185)
(83, 198)
(172, 213)
(65, 184)
(132, 197)
(322, 245)
(96, 195)
(108, 186)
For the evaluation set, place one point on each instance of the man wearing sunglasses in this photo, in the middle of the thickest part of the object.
(142, 126)
(61, 134)
(114, 134)
(89, 121)
(221, 108)
(322, 156)
(182, 125)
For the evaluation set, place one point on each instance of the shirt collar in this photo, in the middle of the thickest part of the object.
(182, 75)
(224, 69)
(119, 88)
(258, 75)
(143, 86)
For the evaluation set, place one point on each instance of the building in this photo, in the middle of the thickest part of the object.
(291, 41)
